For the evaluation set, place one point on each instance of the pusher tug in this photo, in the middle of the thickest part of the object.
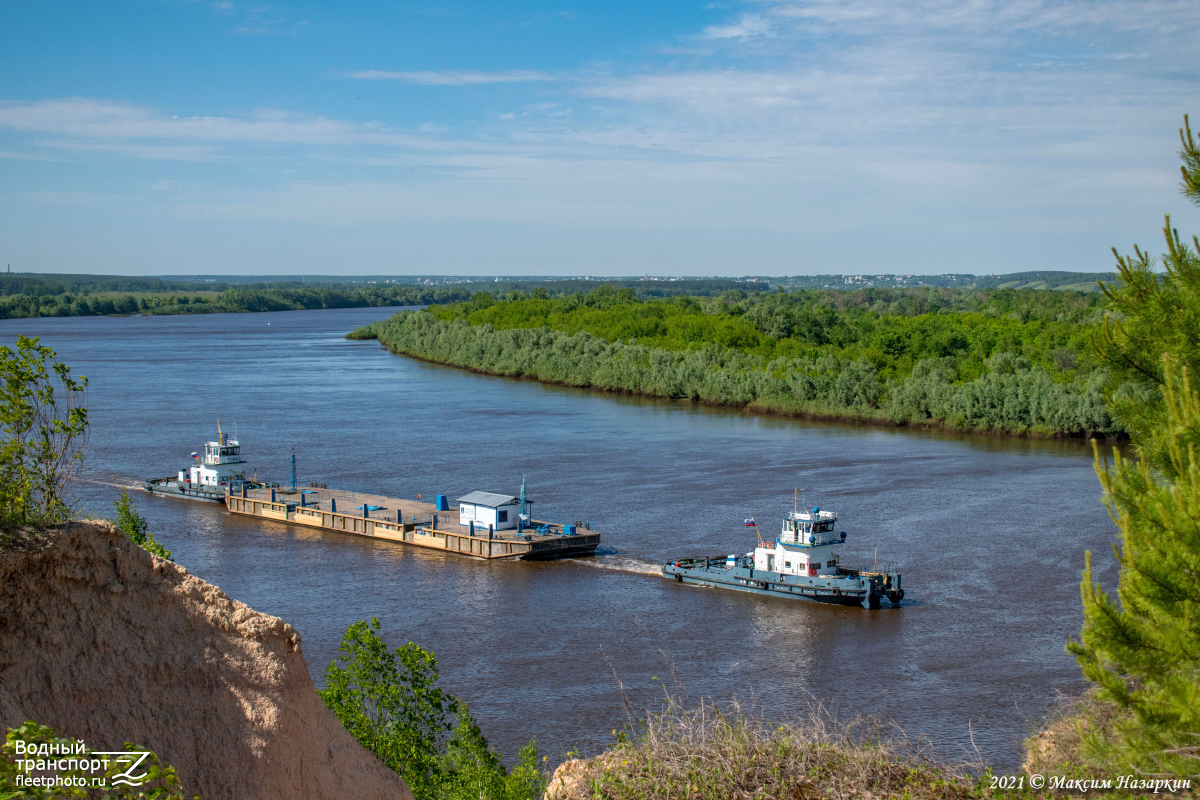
(221, 468)
(800, 564)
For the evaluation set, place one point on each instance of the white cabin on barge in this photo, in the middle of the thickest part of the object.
(489, 510)
(805, 546)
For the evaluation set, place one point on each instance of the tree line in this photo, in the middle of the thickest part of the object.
(996, 360)
(23, 297)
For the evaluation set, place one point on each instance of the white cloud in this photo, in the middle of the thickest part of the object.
(452, 77)
(990, 18)
(748, 26)
(86, 119)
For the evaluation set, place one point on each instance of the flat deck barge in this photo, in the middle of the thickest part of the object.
(410, 522)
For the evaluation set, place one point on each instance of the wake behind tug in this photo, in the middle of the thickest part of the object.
(799, 564)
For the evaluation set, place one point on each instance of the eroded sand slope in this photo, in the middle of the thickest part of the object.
(109, 644)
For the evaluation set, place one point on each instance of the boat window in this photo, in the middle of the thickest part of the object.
(503, 516)
(787, 564)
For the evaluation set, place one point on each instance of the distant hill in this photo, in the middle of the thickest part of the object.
(36, 284)
(1060, 281)
(32, 284)
(1074, 281)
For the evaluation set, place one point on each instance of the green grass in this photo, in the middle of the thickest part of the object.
(710, 753)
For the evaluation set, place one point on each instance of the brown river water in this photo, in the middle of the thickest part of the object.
(989, 532)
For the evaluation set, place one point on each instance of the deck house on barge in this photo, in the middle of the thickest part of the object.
(485, 509)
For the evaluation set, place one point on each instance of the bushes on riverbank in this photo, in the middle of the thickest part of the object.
(1013, 394)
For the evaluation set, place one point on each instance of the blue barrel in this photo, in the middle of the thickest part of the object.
(442, 503)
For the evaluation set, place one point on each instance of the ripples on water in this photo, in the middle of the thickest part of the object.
(990, 533)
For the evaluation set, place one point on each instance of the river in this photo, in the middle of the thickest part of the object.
(989, 533)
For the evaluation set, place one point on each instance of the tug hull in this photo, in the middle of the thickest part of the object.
(170, 487)
(847, 588)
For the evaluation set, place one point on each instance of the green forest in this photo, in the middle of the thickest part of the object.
(1016, 361)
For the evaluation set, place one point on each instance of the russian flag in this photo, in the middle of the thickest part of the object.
(195, 455)
(750, 523)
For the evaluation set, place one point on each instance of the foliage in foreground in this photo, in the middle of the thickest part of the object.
(43, 428)
(390, 702)
(1144, 652)
(158, 781)
(709, 753)
(136, 528)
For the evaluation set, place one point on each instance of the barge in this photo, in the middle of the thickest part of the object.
(479, 525)
(799, 564)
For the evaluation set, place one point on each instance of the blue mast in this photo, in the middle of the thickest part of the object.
(293, 470)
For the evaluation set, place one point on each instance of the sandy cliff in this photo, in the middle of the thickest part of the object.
(106, 643)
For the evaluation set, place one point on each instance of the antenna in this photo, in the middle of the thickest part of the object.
(293, 470)
(795, 500)
(876, 568)
(218, 429)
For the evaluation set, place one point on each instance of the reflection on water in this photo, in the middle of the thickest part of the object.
(989, 532)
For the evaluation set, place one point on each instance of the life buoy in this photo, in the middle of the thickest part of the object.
(837, 592)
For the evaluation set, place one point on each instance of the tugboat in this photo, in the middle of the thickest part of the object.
(220, 469)
(799, 564)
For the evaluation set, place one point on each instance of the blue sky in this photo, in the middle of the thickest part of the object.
(731, 138)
